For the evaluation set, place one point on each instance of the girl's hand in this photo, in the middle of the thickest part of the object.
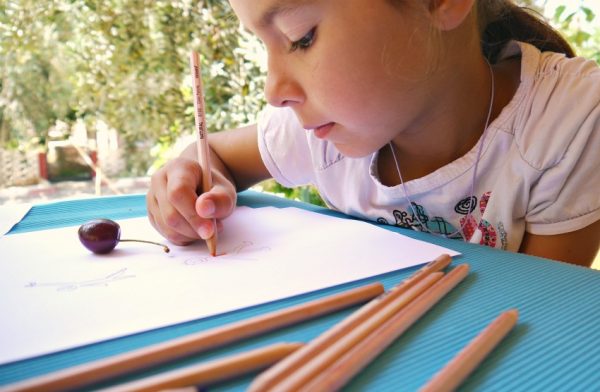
(174, 207)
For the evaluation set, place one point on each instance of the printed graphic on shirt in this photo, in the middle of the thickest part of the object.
(469, 223)
(417, 218)
(466, 205)
(502, 233)
(489, 234)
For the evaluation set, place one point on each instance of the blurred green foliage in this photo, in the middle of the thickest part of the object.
(125, 63)
(579, 26)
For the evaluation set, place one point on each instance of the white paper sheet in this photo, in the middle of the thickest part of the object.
(56, 295)
(10, 215)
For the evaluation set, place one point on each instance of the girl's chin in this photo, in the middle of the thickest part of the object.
(351, 150)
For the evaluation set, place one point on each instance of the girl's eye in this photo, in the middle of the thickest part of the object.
(305, 42)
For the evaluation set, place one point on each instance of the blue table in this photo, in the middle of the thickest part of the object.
(554, 346)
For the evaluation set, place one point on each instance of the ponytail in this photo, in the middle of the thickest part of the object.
(502, 21)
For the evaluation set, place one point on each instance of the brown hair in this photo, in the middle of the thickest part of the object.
(501, 21)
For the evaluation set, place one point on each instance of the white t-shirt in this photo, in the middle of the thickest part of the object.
(539, 169)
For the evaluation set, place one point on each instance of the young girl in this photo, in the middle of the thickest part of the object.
(464, 118)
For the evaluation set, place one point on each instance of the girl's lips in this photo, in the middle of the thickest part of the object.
(322, 131)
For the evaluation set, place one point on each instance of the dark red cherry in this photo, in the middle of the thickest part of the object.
(102, 236)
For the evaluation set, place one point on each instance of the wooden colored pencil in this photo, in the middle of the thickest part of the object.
(321, 360)
(146, 357)
(202, 139)
(339, 373)
(463, 364)
(286, 366)
(211, 372)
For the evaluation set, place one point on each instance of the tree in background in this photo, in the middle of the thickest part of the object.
(577, 26)
(125, 63)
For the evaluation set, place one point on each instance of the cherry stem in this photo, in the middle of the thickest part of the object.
(165, 247)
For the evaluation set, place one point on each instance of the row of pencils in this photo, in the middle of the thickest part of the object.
(326, 363)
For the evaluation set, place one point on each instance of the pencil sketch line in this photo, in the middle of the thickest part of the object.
(239, 252)
(74, 285)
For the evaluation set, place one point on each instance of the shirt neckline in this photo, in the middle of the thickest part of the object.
(463, 165)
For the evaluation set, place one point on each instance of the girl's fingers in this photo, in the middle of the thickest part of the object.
(179, 211)
(168, 194)
(155, 219)
(218, 203)
(175, 209)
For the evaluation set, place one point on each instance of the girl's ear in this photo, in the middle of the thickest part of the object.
(449, 14)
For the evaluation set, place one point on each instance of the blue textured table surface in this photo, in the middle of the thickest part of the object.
(553, 347)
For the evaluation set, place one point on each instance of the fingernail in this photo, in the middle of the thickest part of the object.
(205, 231)
(208, 208)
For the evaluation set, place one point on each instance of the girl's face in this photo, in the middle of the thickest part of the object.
(356, 72)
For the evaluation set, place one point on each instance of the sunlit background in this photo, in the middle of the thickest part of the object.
(95, 95)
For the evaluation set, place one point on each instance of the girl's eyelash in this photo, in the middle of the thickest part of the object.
(305, 42)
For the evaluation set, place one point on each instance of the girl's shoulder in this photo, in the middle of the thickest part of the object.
(556, 109)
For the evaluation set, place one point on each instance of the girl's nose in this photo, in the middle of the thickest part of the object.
(281, 88)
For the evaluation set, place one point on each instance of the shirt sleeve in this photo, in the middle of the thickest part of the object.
(565, 147)
(283, 146)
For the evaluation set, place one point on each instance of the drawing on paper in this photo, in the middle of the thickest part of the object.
(74, 285)
(246, 250)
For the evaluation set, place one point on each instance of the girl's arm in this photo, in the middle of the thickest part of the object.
(577, 247)
(237, 150)
(174, 207)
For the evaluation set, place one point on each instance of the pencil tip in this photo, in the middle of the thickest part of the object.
(211, 243)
